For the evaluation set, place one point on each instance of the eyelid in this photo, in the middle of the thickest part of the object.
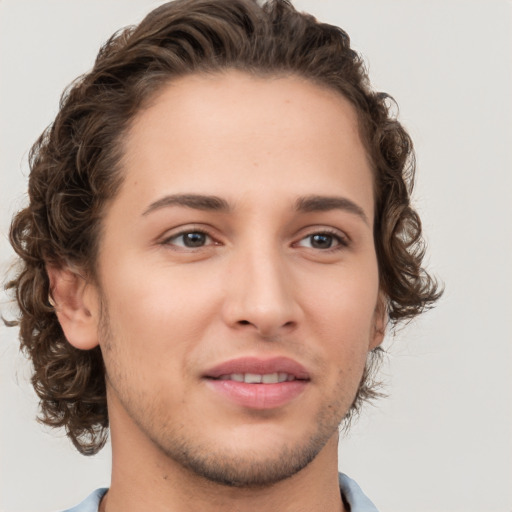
(170, 235)
(342, 238)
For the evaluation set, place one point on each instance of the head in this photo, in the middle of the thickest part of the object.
(79, 168)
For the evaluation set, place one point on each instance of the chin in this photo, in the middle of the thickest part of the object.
(247, 465)
(247, 471)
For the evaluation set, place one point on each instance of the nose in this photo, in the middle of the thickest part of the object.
(261, 294)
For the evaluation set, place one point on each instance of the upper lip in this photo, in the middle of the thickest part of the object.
(261, 366)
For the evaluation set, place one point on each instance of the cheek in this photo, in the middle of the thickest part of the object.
(155, 312)
(159, 289)
(345, 300)
(342, 314)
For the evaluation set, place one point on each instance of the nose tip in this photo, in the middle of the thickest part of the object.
(261, 298)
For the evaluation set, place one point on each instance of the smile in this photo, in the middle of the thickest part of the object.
(256, 378)
(255, 383)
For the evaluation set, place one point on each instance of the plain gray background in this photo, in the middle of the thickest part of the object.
(442, 441)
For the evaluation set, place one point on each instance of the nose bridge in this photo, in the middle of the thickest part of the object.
(260, 288)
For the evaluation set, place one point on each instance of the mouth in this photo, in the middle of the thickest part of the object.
(258, 383)
(259, 370)
(258, 378)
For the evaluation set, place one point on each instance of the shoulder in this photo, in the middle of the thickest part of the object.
(91, 503)
(353, 495)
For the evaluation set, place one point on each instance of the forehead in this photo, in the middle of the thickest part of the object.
(232, 133)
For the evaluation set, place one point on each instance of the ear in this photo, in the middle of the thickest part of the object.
(76, 306)
(380, 320)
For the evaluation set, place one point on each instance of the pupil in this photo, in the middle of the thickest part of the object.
(194, 239)
(321, 241)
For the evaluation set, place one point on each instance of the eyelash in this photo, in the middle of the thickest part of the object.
(341, 240)
(168, 240)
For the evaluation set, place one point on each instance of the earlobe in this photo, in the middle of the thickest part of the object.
(380, 321)
(75, 305)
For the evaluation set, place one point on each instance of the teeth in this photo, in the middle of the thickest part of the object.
(270, 378)
(252, 378)
(256, 378)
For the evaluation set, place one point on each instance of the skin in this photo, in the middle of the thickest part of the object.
(257, 283)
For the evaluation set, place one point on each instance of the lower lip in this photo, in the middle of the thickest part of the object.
(258, 396)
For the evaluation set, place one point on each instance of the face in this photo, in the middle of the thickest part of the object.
(238, 276)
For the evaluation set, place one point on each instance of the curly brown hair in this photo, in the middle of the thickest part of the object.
(75, 171)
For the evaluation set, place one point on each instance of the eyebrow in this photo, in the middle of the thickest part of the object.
(316, 203)
(196, 201)
(305, 204)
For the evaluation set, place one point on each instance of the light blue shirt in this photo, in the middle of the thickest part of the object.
(351, 492)
(91, 503)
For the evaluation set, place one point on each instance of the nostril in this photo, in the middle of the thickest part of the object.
(244, 322)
